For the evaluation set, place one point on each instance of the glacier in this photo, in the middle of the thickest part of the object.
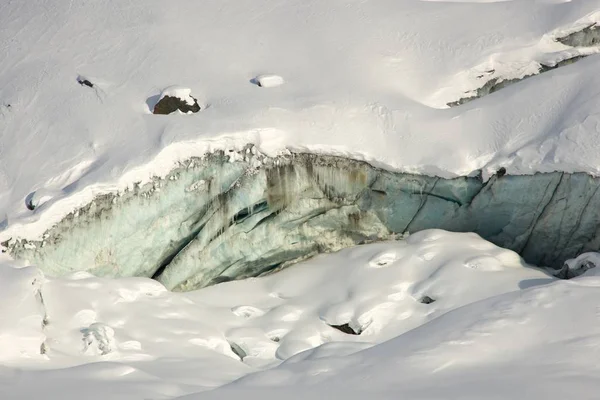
(233, 215)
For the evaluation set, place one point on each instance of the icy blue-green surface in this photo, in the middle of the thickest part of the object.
(225, 217)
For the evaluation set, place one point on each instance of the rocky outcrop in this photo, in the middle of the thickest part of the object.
(495, 84)
(586, 37)
(170, 104)
(176, 98)
(582, 39)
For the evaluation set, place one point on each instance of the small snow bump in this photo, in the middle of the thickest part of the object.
(247, 311)
(383, 260)
(268, 81)
(98, 339)
(428, 256)
(484, 263)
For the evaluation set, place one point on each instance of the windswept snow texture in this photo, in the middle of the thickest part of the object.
(498, 328)
(368, 80)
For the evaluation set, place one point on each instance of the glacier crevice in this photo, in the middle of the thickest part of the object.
(236, 215)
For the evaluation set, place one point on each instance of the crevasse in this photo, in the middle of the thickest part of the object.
(235, 215)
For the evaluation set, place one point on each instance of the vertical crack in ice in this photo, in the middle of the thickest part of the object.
(542, 213)
(424, 200)
(40, 298)
(576, 225)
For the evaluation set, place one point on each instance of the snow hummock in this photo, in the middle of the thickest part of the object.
(132, 337)
(368, 80)
(268, 80)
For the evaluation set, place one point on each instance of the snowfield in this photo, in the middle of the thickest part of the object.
(492, 327)
(367, 80)
(437, 315)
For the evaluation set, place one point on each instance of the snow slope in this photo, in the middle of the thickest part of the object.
(363, 79)
(489, 316)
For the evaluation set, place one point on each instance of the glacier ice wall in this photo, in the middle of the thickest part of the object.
(232, 215)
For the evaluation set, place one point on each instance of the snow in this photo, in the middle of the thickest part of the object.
(269, 80)
(493, 320)
(367, 80)
(363, 79)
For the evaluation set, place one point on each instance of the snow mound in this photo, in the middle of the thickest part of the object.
(98, 339)
(268, 81)
(331, 306)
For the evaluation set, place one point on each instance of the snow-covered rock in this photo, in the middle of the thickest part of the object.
(268, 80)
(176, 98)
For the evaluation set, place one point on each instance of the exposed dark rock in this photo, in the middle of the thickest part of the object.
(495, 84)
(346, 328)
(426, 300)
(84, 82)
(586, 37)
(170, 104)
(567, 272)
(501, 172)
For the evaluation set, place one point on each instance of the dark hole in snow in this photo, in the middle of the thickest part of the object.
(29, 201)
(346, 328)
(426, 300)
(269, 269)
(84, 82)
(255, 81)
(238, 351)
(501, 172)
(220, 279)
(380, 192)
(170, 104)
(567, 272)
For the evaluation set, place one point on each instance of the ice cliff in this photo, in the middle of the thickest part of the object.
(231, 215)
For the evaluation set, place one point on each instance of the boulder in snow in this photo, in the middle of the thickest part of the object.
(176, 98)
